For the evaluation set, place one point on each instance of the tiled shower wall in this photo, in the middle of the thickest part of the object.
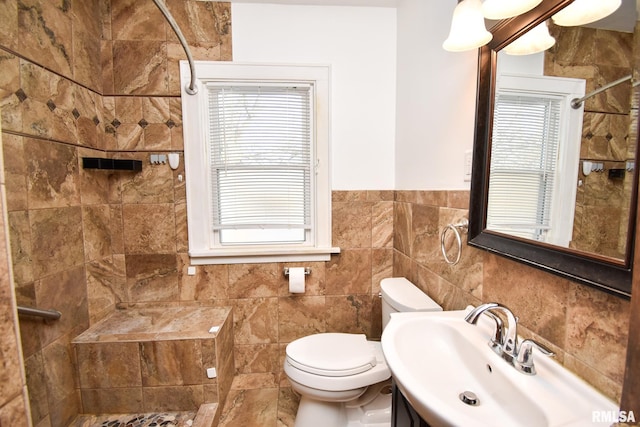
(585, 327)
(13, 393)
(608, 135)
(51, 115)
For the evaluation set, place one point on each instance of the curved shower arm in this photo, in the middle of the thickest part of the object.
(191, 89)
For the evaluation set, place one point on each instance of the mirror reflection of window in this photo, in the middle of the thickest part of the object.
(534, 157)
(524, 165)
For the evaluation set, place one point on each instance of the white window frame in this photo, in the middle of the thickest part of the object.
(564, 198)
(204, 247)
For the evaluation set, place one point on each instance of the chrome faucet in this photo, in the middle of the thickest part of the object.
(505, 344)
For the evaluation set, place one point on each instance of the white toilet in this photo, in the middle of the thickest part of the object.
(343, 379)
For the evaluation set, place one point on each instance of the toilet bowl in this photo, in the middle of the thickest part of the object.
(343, 379)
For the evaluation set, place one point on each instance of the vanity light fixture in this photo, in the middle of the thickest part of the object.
(582, 12)
(503, 9)
(468, 31)
(536, 40)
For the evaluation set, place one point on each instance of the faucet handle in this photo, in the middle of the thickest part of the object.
(524, 359)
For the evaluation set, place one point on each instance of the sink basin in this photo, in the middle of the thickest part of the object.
(436, 357)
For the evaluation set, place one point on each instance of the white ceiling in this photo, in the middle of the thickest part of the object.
(623, 19)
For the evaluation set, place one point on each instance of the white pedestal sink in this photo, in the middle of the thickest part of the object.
(436, 357)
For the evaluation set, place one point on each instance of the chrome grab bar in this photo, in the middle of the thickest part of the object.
(45, 314)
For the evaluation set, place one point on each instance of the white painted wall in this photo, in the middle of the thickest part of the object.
(517, 64)
(436, 100)
(360, 45)
(403, 115)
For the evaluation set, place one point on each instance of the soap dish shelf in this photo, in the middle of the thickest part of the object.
(111, 164)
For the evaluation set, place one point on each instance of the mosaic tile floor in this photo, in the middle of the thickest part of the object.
(163, 419)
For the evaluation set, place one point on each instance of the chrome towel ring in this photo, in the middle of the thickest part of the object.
(456, 228)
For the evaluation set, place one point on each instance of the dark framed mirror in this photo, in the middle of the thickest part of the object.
(604, 269)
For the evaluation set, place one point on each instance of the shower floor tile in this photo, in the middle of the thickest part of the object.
(160, 419)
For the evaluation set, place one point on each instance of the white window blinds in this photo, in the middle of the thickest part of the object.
(260, 156)
(524, 158)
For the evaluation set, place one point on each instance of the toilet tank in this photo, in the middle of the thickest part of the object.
(400, 295)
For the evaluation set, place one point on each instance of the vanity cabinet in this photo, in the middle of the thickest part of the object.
(402, 414)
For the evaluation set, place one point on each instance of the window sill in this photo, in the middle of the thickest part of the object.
(260, 255)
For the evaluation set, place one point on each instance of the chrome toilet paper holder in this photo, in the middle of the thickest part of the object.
(307, 271)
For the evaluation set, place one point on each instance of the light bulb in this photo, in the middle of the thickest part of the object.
(535, 40)
(467, 28)
(582, 12)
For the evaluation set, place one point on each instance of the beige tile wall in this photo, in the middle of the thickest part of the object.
(587, 328)
(51, 115)
(13, 398)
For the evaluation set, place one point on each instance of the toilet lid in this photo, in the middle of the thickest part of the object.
(332, 354)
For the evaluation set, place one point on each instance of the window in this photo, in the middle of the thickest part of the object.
(535, 140)
(257, 163)
(524, 155)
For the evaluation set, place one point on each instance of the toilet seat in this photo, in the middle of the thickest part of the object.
(369, 361)
(332, 354)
